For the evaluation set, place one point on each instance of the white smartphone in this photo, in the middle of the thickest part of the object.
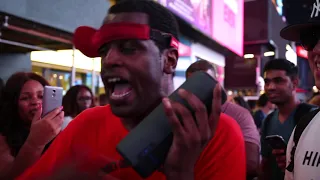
(52, 99)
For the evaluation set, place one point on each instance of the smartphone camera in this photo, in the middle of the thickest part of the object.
(54, 93)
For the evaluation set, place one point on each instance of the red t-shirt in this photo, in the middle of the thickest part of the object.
(97, 131)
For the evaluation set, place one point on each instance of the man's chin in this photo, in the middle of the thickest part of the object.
(123, 111)
(276, 101)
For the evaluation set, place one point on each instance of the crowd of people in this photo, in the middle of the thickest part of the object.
(137, 46)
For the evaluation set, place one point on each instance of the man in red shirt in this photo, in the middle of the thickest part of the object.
(138, 45)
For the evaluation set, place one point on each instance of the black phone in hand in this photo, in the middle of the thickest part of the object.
(276, 142)
(146, 146)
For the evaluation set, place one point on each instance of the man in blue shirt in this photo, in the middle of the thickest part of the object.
(281, 81)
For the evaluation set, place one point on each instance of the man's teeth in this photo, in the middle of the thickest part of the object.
(116, 79)
(120, 95)
(318, 65)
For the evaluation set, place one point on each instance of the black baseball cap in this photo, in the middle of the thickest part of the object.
(294, 32)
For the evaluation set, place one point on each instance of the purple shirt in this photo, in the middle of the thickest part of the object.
(245, 121)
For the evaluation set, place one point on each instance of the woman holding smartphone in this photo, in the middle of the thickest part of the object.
(23, 133)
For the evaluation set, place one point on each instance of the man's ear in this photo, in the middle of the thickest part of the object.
(295, 82)
(170, 57)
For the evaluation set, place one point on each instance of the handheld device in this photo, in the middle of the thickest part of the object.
(146, 146)
(52, 99)
(276, 142)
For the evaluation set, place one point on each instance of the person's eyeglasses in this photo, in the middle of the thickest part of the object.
(309, 39)
(84, 98)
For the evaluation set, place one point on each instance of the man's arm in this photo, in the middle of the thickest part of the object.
(224, 156)
(265, 166)
(12, 167)
(59, 151)
(265, 169)
(252, 143)
(252, 159)
(250, 134)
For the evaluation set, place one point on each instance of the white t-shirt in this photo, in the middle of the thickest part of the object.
(66, 121)
(307, 155)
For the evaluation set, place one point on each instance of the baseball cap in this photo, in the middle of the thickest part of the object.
(295, 31)
(157, 23)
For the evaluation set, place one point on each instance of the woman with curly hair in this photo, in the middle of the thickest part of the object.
(24, 135)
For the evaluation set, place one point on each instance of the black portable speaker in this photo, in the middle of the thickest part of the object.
(146, 146)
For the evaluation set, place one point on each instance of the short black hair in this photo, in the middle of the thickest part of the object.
(160, 18)
(201, 65)
(282, 64)
(263, 100)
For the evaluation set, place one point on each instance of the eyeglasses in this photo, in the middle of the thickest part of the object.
(84, 98)
(310, 38)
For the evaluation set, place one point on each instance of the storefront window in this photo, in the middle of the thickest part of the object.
(59, 78)
(62, 79)
(100, 86)
(37, 70)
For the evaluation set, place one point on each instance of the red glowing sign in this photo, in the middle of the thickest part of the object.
(301, 52)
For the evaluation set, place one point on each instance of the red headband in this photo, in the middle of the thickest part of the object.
(89, 40)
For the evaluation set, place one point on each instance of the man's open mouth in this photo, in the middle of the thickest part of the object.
(119, 88)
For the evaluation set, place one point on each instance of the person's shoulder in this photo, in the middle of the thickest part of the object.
(258, 112)
(228, 133)
(220, 153)
(98, 110)
(272, 116)
(236, 107)
(227, 124)
(236, 111)
(93, 116)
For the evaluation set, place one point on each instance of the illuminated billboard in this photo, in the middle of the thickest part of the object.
(222, 20)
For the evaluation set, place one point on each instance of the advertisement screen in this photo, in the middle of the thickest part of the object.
(195, 12)
(228, 24)
(278, 5)
(220, 19)
(245, 71)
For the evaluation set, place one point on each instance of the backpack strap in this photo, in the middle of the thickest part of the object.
(303, 109)
(304, 120)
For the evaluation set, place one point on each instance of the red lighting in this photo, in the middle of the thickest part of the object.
(301, 52)
(300, 90)
(184, 50)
